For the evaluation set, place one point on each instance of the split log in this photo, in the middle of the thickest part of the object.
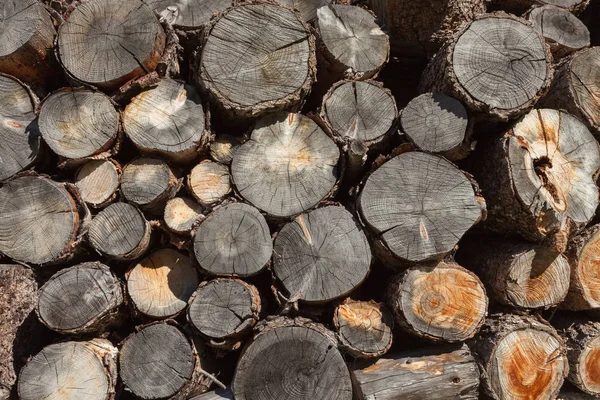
(539, 178)
(321, 255)
(220, 394)
(181, 214)
(521, 6)
(78, 123)
(576, 87)
(168, 120)
(417, 207)
(41, 221)
(582, 255)
(120, 232)
(442, 302)
(160, 362)
(288, 166)
(84, 298)
(188, 14)
(27, 37)
(497, 64)
(292, 359)
(71, 370)
(351, 41)
(233, 240)
(18, 132)
(161, 284)
(446, 373)
(224, 147)
(209, 183)
(106, 43)
(224, 310)
(364, 328)
(98, 182)
(306, 8)
(520, 357)
(438, 123)
(149, 183)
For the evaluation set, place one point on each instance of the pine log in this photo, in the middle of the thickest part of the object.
(277, 64)
(168, 120)
(576, 87)
(224, 310)
(224, 146)
(321, 255)
(19, 134)
(442, 302)
(498, 64)
(417, 206)
(288, 166)
(188, 14)
(27, 37)
(292, 359)
(71, 370)
(306, 8)
(209, 182)
(220, 394)
(233, 240)
(442, 373)
(181, 214)
(539, 178)
(582, 255)
(98, 182)
(160, 362)
(438, 123)
(120, 232)
(520, 357)
(84, 298)
(105, 43)
(521, 6)
(161, 284)
(351, 41)
(364, 328)
(78, 123)
(41, 221)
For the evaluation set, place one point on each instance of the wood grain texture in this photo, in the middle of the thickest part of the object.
(98, 182)
(219, 394)
(306, 8)
(224, 146)
(181, 214)
(582, 256)
(188, 14)
(209, 182)
(519, 7)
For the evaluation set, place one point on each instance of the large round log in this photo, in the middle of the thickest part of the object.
(417, 207)
(209, 182)
(582, 255)
(181, 214)
(258, 58)
(497, 64)
(188, 14)
(288, 166)
(98, 182)
(321, 255)
(84, 298)
(292, 359)
(19, 135)
(106, 43)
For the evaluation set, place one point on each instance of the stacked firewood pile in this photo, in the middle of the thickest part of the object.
(299, 199)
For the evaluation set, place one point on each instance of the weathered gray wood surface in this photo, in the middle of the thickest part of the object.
(98, 182)
(224, 146)
(306, 8)
(149, 183)
(521, 6)
(188, 14)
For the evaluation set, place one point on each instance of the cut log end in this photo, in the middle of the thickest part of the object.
(224, 147)
(98, 182)
(181, 214)
(149, 183)
(582, 255)
(209, 182)
(563, 31)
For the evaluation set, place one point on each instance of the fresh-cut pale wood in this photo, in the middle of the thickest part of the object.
(233, 240)
(106, 43)
(224, 146)
(84, 298)
(71, 370)
(258, 58)
(209, 182)
(521, 6)
(288, 166)
(582, 255)
(418, 206)
(19, 134)
(306, 8)
(188, 14)
(291, 359)
(321, 255)
(563, 31)
(98, 182)
(167, 120)
(181, 214)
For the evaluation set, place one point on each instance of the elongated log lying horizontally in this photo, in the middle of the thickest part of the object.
(582, 255)
(209, 182)
(181, 214)
(98, 182)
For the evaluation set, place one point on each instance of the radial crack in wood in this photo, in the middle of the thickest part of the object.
(98, 182)
(209, 182)
(181, 214)
(583, 256)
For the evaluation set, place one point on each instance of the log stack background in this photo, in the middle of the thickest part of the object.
(299, 199)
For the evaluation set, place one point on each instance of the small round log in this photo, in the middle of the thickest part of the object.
(233, 240)
(106, 43)
(321, 255)
(443, 302)
(120, 232)
(582, 255)
(181, 214)
(19, 135)
(351, 41)
(78, 123)
(277, 64)
(306, 8)
(521, 6)
(223, 147)
(209, 182)
(292, 359)
(224, 310)
(167, 120)
(161, 284)
(188, 14)
(418, 206)
(520, 357)
(98, 182)
(364, 328)
(71, 370)
(563, 31)
(288, 166)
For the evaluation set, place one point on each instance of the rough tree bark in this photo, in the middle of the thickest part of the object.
(209, 182)
(98, 182)
(181, 214)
